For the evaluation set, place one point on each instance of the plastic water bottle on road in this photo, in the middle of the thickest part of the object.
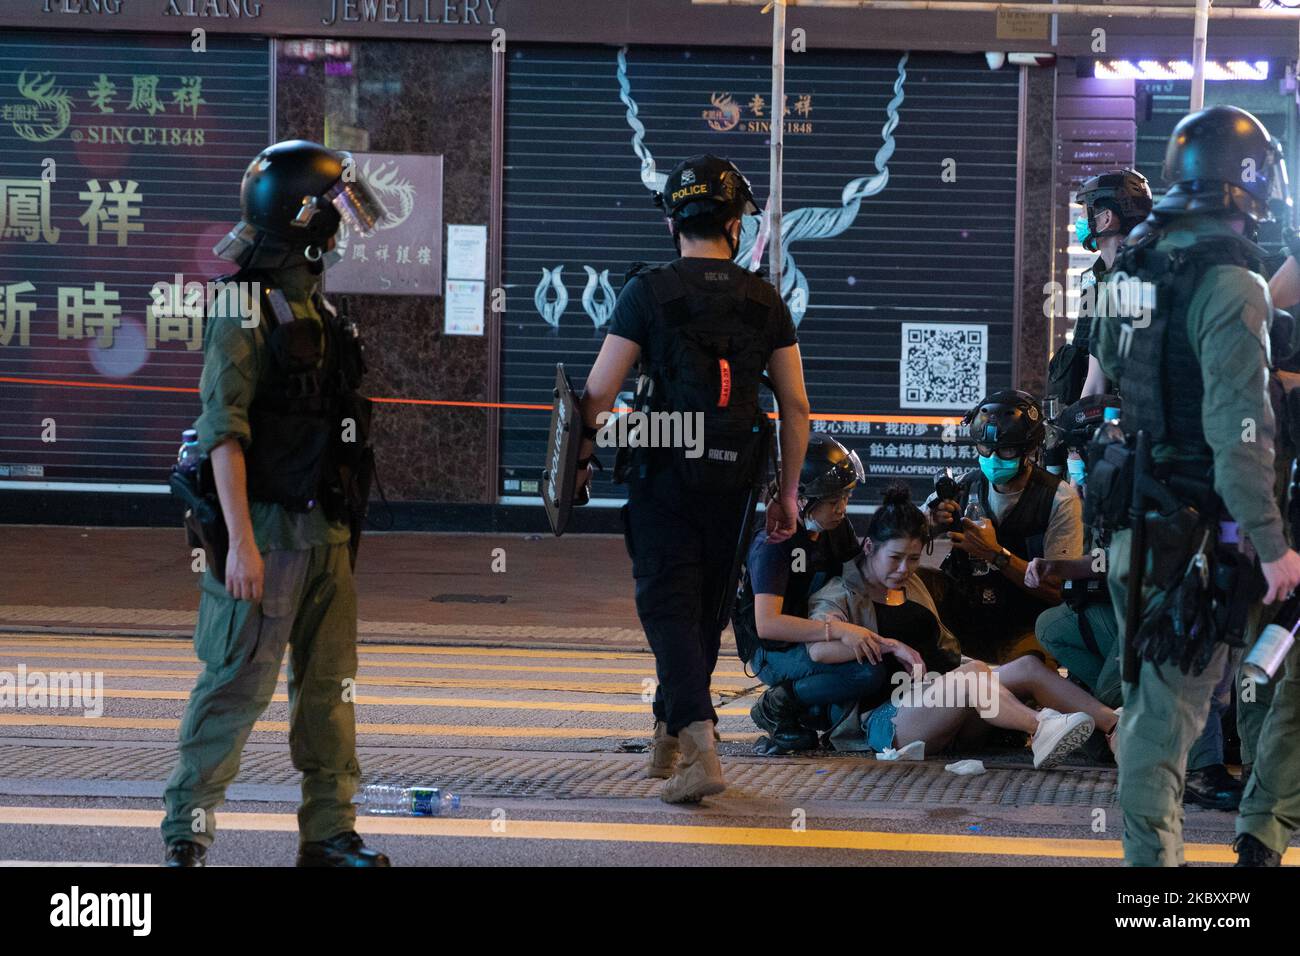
(384, 800)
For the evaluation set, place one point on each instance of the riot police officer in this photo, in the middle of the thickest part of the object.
(279, 393)
(1114, 203)
(1271, 802)
(1193, 370)
(703, 331)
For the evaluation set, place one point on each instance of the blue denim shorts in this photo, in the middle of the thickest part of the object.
(879, 725)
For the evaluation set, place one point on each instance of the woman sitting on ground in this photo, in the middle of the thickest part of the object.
(880, 592)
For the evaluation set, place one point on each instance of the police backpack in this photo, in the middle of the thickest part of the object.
(706, 357)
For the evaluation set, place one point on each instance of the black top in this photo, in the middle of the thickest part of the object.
(635, 308)
(773, 569)
(915, 626)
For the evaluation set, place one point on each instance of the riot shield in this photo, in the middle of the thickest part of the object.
(563, 443)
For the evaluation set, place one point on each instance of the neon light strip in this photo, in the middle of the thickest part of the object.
(1179, 70)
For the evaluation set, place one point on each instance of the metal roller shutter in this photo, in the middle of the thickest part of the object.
(869, 138)
(106, 114)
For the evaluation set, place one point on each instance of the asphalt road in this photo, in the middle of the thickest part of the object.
(545, 747)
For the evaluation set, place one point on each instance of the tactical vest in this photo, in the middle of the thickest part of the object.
(1159, 376)
(1021, 531)
(310, 426)
(1068, 369)
(706, 354)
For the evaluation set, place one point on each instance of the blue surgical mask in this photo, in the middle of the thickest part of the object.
(812, 526)
(1078, 468)
(1081, 230)
(999, 470)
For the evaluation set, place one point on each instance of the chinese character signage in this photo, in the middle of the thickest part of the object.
(725, 114)
(120, 165)
(404, 256)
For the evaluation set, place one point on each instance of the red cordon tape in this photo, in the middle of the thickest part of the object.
(521, 406)
(724, 393)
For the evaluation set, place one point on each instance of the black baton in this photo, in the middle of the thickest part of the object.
(727, 604)
(1136, 559)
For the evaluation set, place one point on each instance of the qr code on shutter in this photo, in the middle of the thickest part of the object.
(943, 366)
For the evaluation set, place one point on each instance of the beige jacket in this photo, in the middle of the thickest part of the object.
(845, 599)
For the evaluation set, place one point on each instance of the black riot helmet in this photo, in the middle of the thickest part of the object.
(294, 196)
(1125, 192)
(1222, 160)
(829, 469)
(705, 189)
(1007, 423)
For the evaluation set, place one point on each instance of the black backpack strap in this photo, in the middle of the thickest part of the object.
(760, 300)
(665, 283)
(669, 292)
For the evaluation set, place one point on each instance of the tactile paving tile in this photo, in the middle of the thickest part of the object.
(848, 779)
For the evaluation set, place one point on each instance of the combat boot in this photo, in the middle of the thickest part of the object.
(1214, 788)
(778, 712)
(185, 853)
(345, 849)
(1251, 852)
(699, 772)
(663, 753)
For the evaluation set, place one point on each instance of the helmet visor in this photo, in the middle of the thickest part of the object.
(358, 206)
(857, 467)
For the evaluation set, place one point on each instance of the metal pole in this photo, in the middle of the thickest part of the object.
(774, 248)
(1202, 23)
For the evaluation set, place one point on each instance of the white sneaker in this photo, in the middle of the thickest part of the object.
(1058, 734)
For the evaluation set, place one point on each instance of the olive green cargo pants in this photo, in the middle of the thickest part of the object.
(1164, 714)
(1270, 808)
(308, 605)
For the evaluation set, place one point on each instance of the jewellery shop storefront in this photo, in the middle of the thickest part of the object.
(516, 145)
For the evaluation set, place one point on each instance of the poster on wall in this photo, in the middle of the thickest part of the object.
(467, 252)
(120, 165)
(464, 307)
(404, 256)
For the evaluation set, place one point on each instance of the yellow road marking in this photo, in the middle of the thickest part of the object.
(864, 840)
(438, 650)
(446, 683)
(364, 698)
(404, 665)
(398, 730)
